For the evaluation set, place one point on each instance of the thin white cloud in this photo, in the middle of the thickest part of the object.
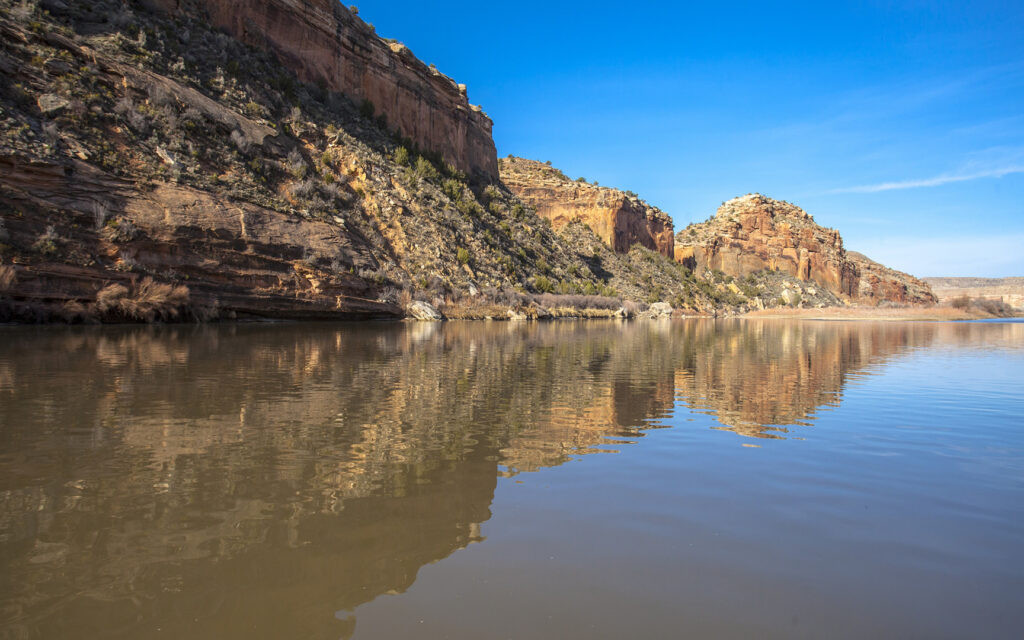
(931, 182)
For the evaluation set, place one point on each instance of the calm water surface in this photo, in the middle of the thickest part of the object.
(698, 479)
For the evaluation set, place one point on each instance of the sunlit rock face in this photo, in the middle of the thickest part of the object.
(325, 43)
(619, 218)
(880, 283)
(754, 233)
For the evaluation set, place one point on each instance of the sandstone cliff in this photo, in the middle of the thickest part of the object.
(152, 166)
(754, 233)
(880, 283)
(618, 218)
(143, 155)
(325, 43)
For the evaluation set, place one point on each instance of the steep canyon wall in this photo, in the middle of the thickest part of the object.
(325, 43)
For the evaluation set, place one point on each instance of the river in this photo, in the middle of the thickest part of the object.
(592, 479)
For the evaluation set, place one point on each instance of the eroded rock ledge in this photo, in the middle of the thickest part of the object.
(754, 233)
(618, 218)
(881, 283)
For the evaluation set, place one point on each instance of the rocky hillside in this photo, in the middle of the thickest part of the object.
(195, 159)
(879, 284)
(324, 43)
(754, 233)
(620, 219)
(155, 167)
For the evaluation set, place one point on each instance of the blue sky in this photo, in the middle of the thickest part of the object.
(900, 124)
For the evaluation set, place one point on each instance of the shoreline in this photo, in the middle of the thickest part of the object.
(924, 314)
(848, 314)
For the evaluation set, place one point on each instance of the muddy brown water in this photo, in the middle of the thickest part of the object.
(704, 479)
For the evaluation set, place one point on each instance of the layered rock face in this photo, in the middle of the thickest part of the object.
(754, 233)
(236, 258)
(618, 218)
(325, 43)
(880, 283)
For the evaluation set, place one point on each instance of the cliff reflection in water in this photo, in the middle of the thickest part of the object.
(217, 482)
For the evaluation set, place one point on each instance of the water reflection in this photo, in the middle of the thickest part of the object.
(759, 378)
(252, 481)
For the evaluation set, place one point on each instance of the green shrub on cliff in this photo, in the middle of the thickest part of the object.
(543, 284)
(401, 156)
(425, 170)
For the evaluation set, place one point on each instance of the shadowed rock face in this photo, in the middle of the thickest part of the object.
(752, 233)
(618, 218)
(323, 42)
(880, 283)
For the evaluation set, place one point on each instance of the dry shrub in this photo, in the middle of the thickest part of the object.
(109, 297)
(8, 276)
(963, 302)
(148, 301)
(550, 300)
(73, 311)
(994, 307)
(633, 308)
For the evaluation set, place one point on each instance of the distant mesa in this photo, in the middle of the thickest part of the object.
(1009, 291)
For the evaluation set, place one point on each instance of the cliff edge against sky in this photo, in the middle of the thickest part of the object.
(205, 159)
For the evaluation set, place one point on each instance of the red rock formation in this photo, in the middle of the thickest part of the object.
(754, 233)
(618, 218)
(879, 283)
(322, 41)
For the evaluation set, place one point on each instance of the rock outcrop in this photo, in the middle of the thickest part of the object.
(754, 233)
(424, 311)
(236, 259)
(618, 218)
(879, 283)
(323, 42)
(187, 159)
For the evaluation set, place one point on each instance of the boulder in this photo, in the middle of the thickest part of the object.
(57, 66)
(424, 311)
(660, 310)
(51, 104)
